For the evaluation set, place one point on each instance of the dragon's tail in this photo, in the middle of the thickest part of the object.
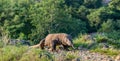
(41, 44)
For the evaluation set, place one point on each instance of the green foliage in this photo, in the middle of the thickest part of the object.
(34, 19)
(117, 25)
(70, 55)
(107, 26)
(53, 18)
(114, 35)
(96, 17)
(93, 3)
(101, 38)
(100, 42)
(82, 41)
(115, 4)
(23, 53)
(11, 53)
(29, 19)
(36, 55)
(111, 39)
(115, 8)
(14, 17)
(107, 52)
(1, 44)
(22, 36)
(74, 3)
(82, 12)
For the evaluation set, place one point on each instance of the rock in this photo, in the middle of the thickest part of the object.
(87, 58)
(80, 48)
(117, 58)
(16, 41)
(110, 60)
(105, 2)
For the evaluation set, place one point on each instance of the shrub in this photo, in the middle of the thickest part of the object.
(71, 55)
(82, 41)
(36, 55)
(23, 53)
(107, 51)
(101, 38)
(1, 44)
(12, 53)
(113, 35)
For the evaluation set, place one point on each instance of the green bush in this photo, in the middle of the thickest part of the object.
(71, 55)
(1, 44)
(36, 55)
(101, 38)
(12, 53)
(107, 51)
(82, 41)
(95, 41)
(113, 35)
(24, 53)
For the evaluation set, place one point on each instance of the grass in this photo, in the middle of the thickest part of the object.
(11, 53)
(101, 38)
(81, 41)
(24, 53)
(71, 55)
(97, 44)
(107, 51)
(36, 55)
(1, 44)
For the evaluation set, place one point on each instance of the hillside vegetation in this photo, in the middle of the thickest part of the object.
(34, 19)
(93, 24)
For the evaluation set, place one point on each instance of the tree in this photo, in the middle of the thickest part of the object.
(14, 17)
(92, 3)
(50, 17)
(74, 3)
(98, 16)
(117, 25)
(115, 4)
